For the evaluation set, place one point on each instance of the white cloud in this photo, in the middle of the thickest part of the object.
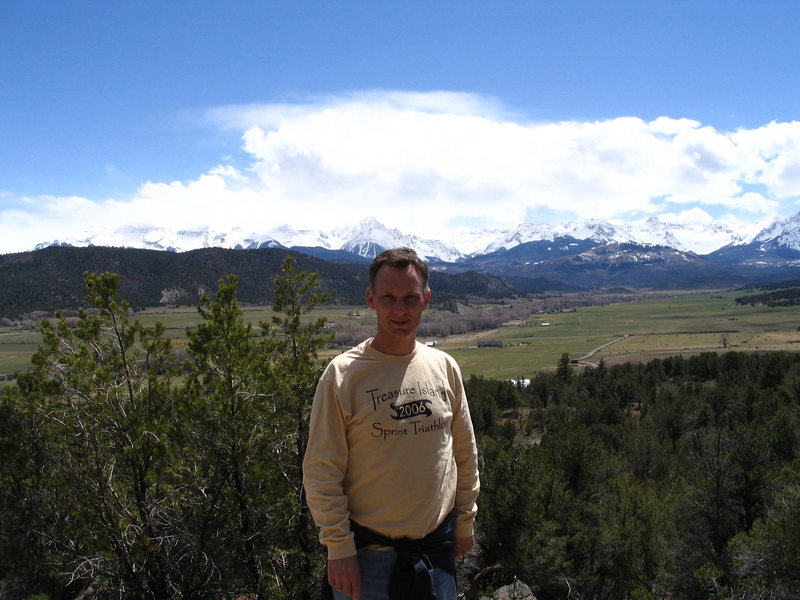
(695, 215)
(775, 150)
(419, 161)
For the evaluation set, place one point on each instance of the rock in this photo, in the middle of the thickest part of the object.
(514, 591)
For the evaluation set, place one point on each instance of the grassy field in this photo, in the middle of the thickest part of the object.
(16, 348)
(626, 331)
(634, 331)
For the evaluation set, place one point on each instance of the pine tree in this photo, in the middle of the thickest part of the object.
(101, 396)
(296, 341)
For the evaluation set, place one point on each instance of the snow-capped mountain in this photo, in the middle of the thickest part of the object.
(599, 231)
(783, 233)
(368, 237)
(160, 238)
(288, 236)
(475, 241)
(777, 245)
(700, 238)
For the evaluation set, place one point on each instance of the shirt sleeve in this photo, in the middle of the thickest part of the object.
(466, 456)
(324, 469)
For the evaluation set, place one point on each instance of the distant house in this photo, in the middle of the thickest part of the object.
(546, 324)
(432, 343)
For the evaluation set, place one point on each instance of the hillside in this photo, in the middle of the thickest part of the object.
(52, 278)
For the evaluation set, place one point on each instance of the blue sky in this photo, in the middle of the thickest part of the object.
(427, 115)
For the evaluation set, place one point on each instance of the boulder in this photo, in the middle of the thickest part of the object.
(513, 591)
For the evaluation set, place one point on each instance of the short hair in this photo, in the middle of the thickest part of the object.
(399, 258)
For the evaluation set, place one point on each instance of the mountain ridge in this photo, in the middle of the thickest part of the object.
(583, 256)
(369, 236)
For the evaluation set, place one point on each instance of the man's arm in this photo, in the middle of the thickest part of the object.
(324, 468)
(465, 452)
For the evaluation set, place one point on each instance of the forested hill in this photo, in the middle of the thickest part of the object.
(52, 278)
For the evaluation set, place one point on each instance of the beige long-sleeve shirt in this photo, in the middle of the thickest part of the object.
(391, 446)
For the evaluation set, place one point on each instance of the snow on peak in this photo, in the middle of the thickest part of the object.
(599, 231)
(698, 237)
(369, 236)
(783, 232)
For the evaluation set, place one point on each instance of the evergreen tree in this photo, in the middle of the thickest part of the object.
(231, 409)
(295, 341)
(102, 411)
(250, 398)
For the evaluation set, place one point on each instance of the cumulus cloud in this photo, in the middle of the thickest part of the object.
(423, 162)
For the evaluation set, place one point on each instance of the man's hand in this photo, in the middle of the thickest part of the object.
(345, 576)
(464, 545)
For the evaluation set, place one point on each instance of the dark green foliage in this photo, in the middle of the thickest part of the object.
(470, 284)
(787, 297)
(674, 479)
(294, 346)
(527, 515)
(121, 480)
(564, 369)
(230, 438)
(249, 403)
(22, 559)
(490, 399)
(103, 419)
(52, 278)
(766, 556)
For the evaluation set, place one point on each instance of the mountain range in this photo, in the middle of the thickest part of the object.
(366, 236)
(587, 255)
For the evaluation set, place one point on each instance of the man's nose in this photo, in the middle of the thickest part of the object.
(399, 305)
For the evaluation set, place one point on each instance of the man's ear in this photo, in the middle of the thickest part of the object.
(427, 297)
(370, 298)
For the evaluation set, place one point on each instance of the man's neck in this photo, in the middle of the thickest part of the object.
(394, 347)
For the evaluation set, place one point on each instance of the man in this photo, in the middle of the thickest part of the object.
(390, 470)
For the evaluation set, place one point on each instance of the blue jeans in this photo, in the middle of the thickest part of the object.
(376, 567)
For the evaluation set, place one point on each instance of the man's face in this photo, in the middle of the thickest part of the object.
(398, 298)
